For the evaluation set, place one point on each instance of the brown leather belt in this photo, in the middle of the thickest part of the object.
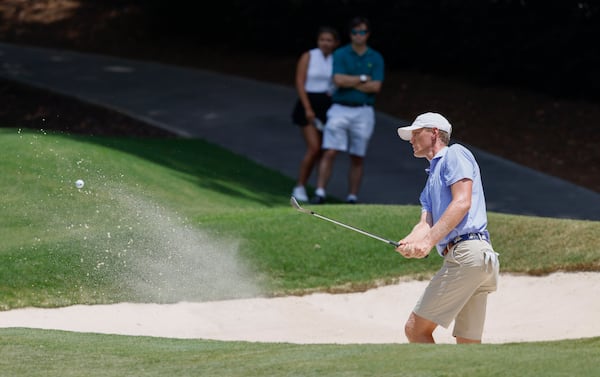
(484, 236)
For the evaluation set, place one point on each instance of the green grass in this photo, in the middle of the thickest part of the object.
(151, 208)
(166, 220)
(56, 353)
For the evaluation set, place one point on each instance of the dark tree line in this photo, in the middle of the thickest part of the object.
(548, 45)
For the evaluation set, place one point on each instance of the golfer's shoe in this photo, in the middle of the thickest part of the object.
(317, 199)
(300, 194)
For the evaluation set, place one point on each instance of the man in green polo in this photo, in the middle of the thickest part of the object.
(358, 72)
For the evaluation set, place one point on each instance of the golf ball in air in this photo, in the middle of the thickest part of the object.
(79, 183)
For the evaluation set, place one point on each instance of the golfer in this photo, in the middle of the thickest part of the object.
(454, 220)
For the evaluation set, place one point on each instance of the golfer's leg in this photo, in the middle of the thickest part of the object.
(460, 340)
(436, 307)
(356, 173)
(482, 278)
(468, 325)
(419, 329)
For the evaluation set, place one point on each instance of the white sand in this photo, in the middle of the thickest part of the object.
(558, 306)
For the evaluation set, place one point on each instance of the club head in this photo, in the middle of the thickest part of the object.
(295, 204)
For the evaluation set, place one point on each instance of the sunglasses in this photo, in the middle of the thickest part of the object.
(360, 32)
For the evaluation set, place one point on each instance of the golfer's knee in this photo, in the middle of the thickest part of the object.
(412, 332)
(419, 330)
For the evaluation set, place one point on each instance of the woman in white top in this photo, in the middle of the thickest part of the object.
(314, 85)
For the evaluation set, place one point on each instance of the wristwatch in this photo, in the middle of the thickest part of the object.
(363, 78)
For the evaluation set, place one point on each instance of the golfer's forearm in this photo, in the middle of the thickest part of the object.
(421, 229)
(456, 211)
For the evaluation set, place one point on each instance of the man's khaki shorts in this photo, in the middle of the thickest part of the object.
(460, 288)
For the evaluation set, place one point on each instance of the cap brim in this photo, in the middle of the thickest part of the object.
(405, 133)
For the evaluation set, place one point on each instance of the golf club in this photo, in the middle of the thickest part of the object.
(295, 204)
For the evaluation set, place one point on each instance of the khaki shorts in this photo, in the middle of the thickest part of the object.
(460, 288)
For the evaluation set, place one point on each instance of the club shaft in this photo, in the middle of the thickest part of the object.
(355, 229)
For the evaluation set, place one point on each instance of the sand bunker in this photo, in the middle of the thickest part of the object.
(558, 306)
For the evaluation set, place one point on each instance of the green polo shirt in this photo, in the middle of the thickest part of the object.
(347, 61)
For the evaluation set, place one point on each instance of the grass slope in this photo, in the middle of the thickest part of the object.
(56, 353)
(168, 220)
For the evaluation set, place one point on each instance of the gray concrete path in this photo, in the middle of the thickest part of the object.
(252, 119)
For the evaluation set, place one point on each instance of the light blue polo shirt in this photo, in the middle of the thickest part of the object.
(347, 61)
(449, 166)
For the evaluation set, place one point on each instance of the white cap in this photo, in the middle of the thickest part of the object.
(426, 120)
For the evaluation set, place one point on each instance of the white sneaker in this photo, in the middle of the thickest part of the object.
(300, 194)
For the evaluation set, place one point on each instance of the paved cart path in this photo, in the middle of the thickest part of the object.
(252, 118)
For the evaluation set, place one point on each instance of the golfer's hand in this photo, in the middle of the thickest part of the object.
(413, 249)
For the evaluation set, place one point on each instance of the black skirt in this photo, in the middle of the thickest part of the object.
(320, 103)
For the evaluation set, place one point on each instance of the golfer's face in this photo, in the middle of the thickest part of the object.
(422, 141)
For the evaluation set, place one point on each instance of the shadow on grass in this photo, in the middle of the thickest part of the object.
(207, 165)
(213, 167)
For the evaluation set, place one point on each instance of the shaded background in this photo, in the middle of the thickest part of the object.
(547, 45)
